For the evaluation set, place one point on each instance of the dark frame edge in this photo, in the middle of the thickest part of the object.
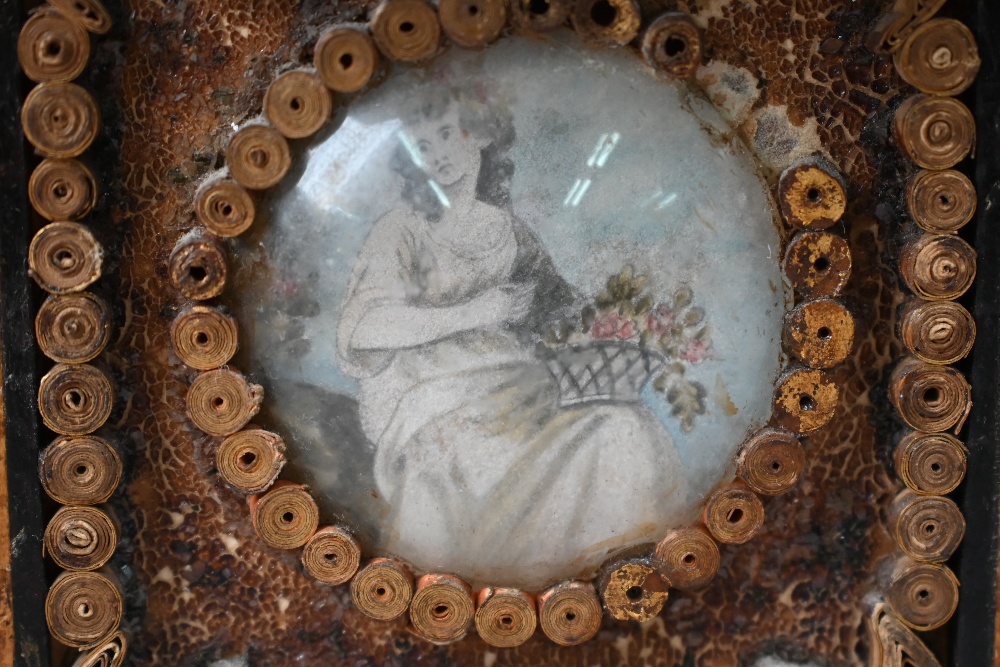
(20, 372)
(976, 623)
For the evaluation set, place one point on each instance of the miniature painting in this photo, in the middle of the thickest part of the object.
(509, 324)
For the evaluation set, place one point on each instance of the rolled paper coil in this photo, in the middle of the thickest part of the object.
(345, 59)
(60, 119)
(109, 652)
(688, 557)
(297, 104)
(820, 333)
(923, 595)
(73, 328)
(811, 195)
(569, 612)
(938, 332)
(222, 401)
(817, 264)
(75, 399)
(771, 462)
(197, 267)
(934, 132)
(406, 30)
(251, 460)
(939, 57)
(533, 16)
(672, 45)
(805, 400)
(80, 470)
(82, 608)
(81, 537)
(90, 14)
(733, 514)
(472, 23)
(895, 25)
(930, 398)
(382, 589)
(204, 337)
(938, 267)
(607, 23)
(926, 528)
(258, 157)
(442, 608)
(332, 555)
(930, 463)
(505, 617)
(632, 589)
(941, 202)
(285, 517)
(51, 47)
(62, 189)
(224, 207)
(65, 257)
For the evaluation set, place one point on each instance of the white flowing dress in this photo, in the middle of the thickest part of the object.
(486, 476)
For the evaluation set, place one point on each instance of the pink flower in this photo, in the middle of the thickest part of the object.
(695, 351)
(660, 319)
(612, 325)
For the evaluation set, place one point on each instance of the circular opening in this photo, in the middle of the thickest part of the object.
(218, 402)
(735, 515)
(473, 10)
(197, 273)
(227, 209)
(247, 459)
(441, 611)
(84, 610)
(944, 200)
(813, 195)
(539, 7)
(807, 402)
(689, 559)
(406, 26)
(603, 13)
(923, 594)
(674, 46)
(258, 158)
(936, 467)
(932, 396)
(201, 338)
(64, 259)
(296, 103)
(821, 264)
(288, 517)
(930, 528)
(776, 466)
(74, 399)
(60, 191)
(824, 333)
(634, 593)
(330, 557)
(506, 620)
(346, 60)
(570, 616)
(53, 48)
(380, 591)
(81, 470)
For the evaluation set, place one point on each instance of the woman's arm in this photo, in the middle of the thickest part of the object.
(398, 325)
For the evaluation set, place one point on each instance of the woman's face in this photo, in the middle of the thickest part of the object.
(446, 151)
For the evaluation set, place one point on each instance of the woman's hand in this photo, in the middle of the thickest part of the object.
(505, 304)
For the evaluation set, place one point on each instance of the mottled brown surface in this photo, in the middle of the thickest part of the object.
(6, 611)
(210, 589)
